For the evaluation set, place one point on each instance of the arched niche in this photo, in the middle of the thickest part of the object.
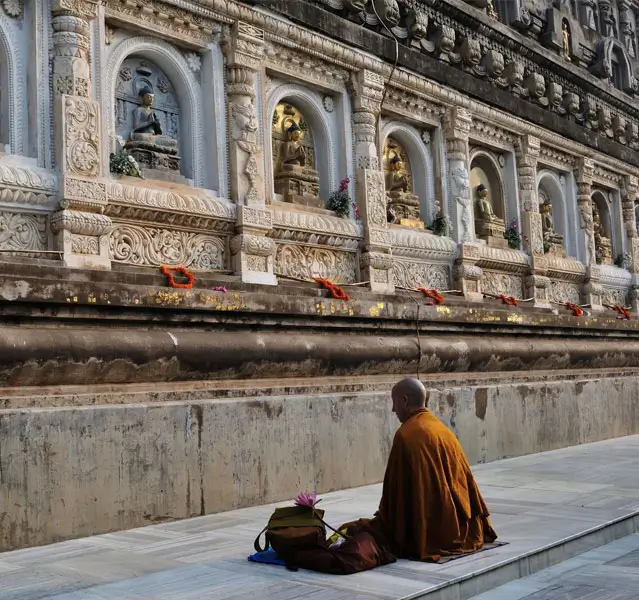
(604, 226)
(551, 189)
(614, 63)
(402, 139)
(180, 108)
(316, 137)
(12, 85)
(485, 170)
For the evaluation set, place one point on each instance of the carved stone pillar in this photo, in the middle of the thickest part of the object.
(467, 275)
(252, 251)
(80, 228)
(376, 259)
(537, 284)
(592, 291)
(629, 191)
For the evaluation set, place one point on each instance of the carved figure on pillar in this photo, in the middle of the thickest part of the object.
(294, 165)
(403, 205)
(252, 251)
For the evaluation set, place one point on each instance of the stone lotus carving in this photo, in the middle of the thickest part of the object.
(502, 283)
(13, 8)
(22, 231)
(308, 262)
(138, 245)
(564, 291)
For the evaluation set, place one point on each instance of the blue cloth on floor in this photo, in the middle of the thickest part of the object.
(267, 557)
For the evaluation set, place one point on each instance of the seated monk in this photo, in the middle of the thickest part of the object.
(431, 506)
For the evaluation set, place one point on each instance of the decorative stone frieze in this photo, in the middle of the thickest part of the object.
(252, 252)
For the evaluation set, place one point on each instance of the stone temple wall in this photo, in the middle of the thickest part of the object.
(487, 149)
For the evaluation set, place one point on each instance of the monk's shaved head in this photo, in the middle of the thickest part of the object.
(409, 395)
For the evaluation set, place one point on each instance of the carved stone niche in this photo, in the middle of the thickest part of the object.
(158, 154)
(296, 177)
(488, 201)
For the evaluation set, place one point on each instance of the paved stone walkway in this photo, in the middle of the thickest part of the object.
(537, 502)
(610, 572)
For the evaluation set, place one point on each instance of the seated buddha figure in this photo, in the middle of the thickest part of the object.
(292, 152)
(403, 205)
(488, 226)
(147, 128)
(603, 245)
(553, 241)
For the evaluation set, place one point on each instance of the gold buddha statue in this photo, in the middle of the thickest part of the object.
(295, 179)
(603, 244)
(488, 226)
(403, 205)
(565, 39)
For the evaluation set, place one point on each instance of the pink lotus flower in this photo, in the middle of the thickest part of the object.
(308, 500)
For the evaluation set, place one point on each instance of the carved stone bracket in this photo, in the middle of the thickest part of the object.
(467, 275)
(252, 253)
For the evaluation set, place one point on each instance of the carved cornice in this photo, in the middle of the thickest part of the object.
(502, 259)
(615, 277)
(555, 157)
(315, 223)
(200, 203)
(412, 243)
(28, 187)
(607, 177)
(180, 21)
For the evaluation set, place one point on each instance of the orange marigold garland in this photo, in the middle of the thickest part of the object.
(336, 292)
(432, 294)
(576, 310)
(168, 272)
(623, 312)
(509, 300)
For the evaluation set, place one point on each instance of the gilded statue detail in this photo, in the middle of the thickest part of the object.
(296, 178)
(488, 226)
(402, 203)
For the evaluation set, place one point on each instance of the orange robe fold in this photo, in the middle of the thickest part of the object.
(431, 506)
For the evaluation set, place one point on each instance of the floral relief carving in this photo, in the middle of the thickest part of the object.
(412, 275)
(84, 244)
(136, 245)
(22, 231)
(375, 198)
(503, 283)
(564, 291)
(614, 296)
(13, 8)
(82, 137)
(307, 262)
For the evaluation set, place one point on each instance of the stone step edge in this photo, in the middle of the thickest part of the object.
(483, 580)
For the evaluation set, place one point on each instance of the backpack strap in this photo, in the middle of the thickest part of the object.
(256, 544)
(342, 535)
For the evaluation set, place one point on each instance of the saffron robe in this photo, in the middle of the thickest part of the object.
(431, 506)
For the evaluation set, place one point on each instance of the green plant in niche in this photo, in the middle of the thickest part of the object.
(513, 236)
(441, 226)
(340, 201)
(623, 261)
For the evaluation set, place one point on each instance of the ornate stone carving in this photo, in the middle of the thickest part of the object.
(375, 201)
(84, 244)
(27, 187)
(81, 223)
(502, 283)
(307, 262)
(564, 291)
(412, 274)
(19, 231)
(460, 192)
(81, 137)
(13, 8)
(132, 244)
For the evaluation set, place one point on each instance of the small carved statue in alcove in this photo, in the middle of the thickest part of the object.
(402, 203)
(488, 225)
(553, 241)
(565, 39)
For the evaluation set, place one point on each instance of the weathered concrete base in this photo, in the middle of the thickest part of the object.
(88, 462)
